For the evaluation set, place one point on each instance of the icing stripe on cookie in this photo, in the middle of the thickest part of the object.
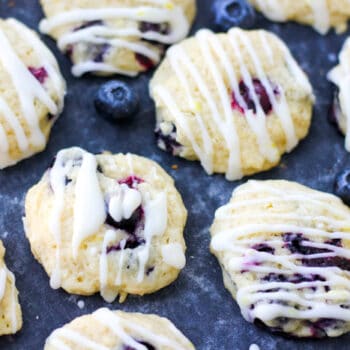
(240, 241)
(101, 33)
(120, 327)
(28, 90)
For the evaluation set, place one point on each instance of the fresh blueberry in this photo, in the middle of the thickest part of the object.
(116, 100)
(342, 186)
(233, 13)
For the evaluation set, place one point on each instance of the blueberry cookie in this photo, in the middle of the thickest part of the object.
(31, 92)
(234, 101)
(321, 14)
(110, 330)
(108, 223)
(285, 255)
(340, 77)
(106, 37)
(10, 314)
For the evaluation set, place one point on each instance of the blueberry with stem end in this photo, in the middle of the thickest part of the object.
(342, 186)
(116, 100)
(233, 13)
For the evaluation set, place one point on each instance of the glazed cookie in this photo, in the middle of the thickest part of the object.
(106, 329)
(235, 101)
(116, 36)
(285, 255)
(108, 223)
(31, 92)
(321, 14)
(10, 315)
(340, 77)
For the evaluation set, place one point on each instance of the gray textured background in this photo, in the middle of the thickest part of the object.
(197, 302)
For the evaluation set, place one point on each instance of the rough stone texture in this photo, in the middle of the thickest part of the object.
(197, 302)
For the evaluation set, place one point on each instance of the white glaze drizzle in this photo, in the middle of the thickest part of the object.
(89, 207)
(340, 76)
(168, 12)
(28, 90)
(238, 241)
(156, 219)
(120, 327)
(183, 67)
(276, 11)
(173, 255)
(89, 210)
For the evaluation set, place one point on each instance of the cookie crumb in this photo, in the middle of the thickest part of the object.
(174, 167)
(81, 304)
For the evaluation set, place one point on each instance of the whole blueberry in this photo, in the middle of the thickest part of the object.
(342, 186)
(116, 100)
(233, 13)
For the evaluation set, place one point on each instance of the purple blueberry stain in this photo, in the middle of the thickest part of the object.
(145, 62)
(294, 242)
(130, 225)
(131, 181)
(88, 24)
(263, 247)
(40, 74)
(161, 28)
(247, 96)
(145, 344)
(168, 142)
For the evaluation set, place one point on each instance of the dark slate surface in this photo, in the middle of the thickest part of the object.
(197, 302)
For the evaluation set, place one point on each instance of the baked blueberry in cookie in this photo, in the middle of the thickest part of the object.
(107, 223)
(121, 330)
(322, 15)
(233, 13)
(108, 37)
(10, 310)
(116, 100)
(285, 254)
(32, 92)
(236, 101)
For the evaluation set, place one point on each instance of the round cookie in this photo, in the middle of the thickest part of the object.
(234, 101)
(10, 314)
(340, 77)
(31, 92)
(321, 14)
(108, 223)
(284, 250)
(106, 37)
(106, 329)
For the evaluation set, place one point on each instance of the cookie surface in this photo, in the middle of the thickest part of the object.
(340, 77)
(11, 314)
(234, 101)
(106, 329)
(108, 223)
(284, 251)
(31, 92)
(116, 36)
(321, 14)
